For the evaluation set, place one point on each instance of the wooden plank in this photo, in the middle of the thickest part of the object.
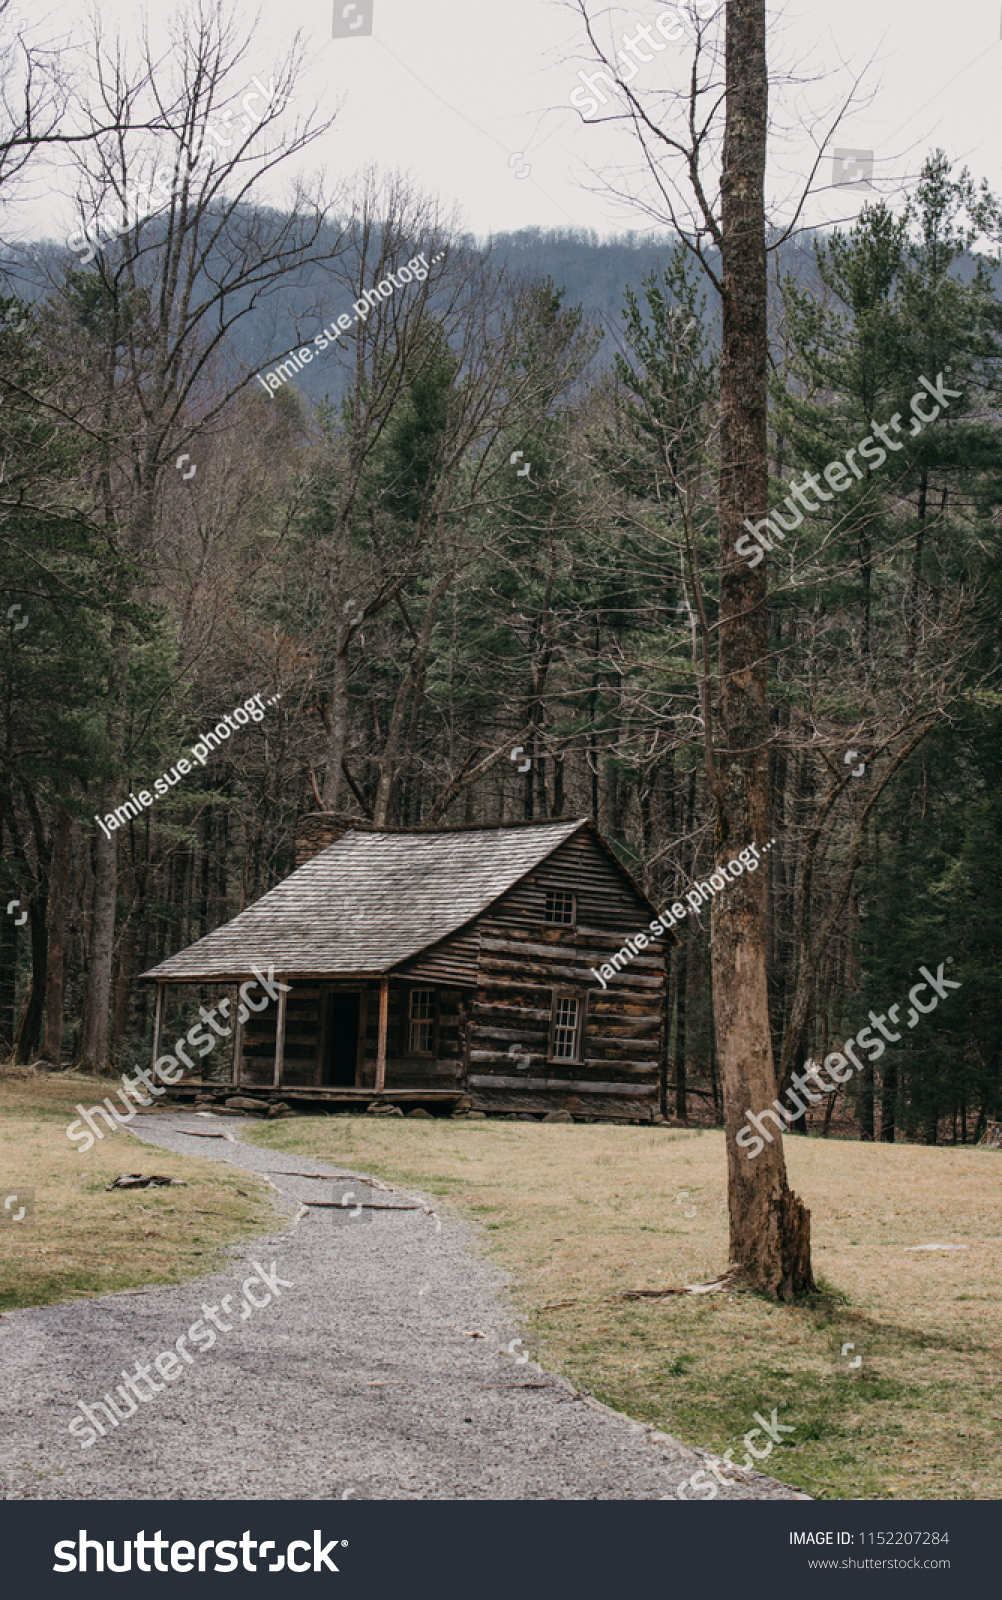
(304, 1092)
(238, 1050)
(280, 1037)
(384, 1012)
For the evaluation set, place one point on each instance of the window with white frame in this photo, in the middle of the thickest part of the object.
(421, 1022)
(565, 1027)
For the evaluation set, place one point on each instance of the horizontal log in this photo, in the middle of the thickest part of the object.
(539, 1038)
(538, 1043)
(491, 1019)
(596, 1108)
(637, 1071)
(528, 1085)
(620, 1012)
(495, 967)
(567, 952)
(500, 1009)
(612, 1045)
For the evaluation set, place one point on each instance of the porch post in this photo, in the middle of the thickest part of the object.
(158, 1018)
(238, 1048)
(280, 1037)
(384, 1012)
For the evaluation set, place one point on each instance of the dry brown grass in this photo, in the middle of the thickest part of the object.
(85, 1241)
(579, 1213)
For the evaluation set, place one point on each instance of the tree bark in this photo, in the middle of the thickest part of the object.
(58, 908)
(29, 1030)
(681, 973)
(94, 1044)
(769, 1226)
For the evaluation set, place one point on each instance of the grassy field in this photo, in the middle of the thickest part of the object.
(580, 1213)
(85, 1241)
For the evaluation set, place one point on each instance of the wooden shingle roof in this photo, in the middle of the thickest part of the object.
(368, 902)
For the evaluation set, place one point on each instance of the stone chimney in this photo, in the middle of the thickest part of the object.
(318, 829)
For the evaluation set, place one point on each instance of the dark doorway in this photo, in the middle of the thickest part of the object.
(341, 1054)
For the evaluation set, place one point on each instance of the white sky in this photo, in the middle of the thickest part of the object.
(449, 90)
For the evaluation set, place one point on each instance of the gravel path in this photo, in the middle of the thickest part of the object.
(361, 1378)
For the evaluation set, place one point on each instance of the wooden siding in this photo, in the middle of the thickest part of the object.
(451, 961)
(525, 961)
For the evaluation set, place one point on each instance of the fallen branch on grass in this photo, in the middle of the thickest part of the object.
(135, 1180)
(716, 1286)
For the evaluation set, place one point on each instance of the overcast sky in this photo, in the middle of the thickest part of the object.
(467, 94)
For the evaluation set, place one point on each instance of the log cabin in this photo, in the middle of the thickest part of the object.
(444, 967)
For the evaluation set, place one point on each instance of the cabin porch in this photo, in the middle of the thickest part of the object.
(342, 1039)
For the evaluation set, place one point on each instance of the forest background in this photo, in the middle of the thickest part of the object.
(365, 547)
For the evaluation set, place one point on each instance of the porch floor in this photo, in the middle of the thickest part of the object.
(326, 1095)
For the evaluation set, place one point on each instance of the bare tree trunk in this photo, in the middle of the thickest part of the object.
(889, 1099)
(337, 732)
(30, 1026)
(682, 967)
(94, 1043)
(124, 986)
(410, 689)
(59, 887)
(769, 1226)
(681, 971)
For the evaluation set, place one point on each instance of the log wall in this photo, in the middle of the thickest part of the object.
(524, 959)
(302, 1025)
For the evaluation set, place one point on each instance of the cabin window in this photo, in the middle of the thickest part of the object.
(560, 907)
(421, 1018)
(566, 1027)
